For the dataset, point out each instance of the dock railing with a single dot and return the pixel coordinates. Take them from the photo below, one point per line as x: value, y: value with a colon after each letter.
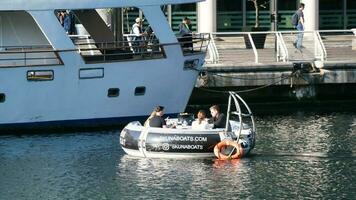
x: 256, y: 48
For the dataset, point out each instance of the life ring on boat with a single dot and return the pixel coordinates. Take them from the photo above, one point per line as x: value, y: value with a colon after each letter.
x: 225, y: 143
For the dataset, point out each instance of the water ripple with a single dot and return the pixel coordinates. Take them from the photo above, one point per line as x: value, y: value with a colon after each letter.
x: 298, y: 156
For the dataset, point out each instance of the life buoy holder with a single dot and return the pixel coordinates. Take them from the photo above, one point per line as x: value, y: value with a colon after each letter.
x: 226, y: 143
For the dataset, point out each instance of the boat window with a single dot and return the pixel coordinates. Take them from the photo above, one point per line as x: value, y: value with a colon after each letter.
x: 99, y: 37
x: 91, y: 73
x: 140, y: 91
x: 22, y: 42
x: 113, y: 92
x: 40, y: 75
x: 2, y: 97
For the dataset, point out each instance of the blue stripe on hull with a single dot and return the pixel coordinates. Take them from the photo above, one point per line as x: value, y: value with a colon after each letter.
x: 74, y: 124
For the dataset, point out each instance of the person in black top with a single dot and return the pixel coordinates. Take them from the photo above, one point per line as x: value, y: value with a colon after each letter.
x: 218, y: 118
x: 156, y: 119
x: 185, y: 33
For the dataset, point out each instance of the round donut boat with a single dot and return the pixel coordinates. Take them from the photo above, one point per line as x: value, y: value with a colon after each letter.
x: 185, y: 142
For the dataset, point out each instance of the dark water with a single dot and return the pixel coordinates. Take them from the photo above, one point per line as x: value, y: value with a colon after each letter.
x: 298, y: 156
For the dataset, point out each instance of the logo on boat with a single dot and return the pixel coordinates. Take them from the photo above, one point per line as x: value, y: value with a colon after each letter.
x: 185, y: 138
x: 187, y: 146
x: 165, y: 146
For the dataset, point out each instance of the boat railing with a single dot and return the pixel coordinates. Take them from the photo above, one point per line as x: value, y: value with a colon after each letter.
x: 120, y: 50
x: 96, y: 52
x: 198, y: 42
x: 34, y: 55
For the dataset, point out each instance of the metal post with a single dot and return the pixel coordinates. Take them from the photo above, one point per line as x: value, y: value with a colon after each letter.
x: 253, y: 47
x: 274, y: 20
x: 116, y: 24
x: 274, y: 15
x: 1, y: 35
x: 169, y: 14
x: 140, y: 13
x: 345, y: 13
x: 228, y: 114
x: 244, y: 13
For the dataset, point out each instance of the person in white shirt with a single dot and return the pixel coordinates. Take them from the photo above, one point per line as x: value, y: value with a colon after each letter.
x: 138, y: 33
x: 201, y: 122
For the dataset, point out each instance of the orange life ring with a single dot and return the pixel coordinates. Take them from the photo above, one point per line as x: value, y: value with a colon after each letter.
x: 226, y: 143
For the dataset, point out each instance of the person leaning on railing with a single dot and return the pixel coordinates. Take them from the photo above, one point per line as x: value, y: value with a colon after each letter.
x: 138, y: 37
x: 185, y: 33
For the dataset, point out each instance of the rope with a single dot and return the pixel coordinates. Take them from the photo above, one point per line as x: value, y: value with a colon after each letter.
x: 253, y: 89
x: 251, y: 79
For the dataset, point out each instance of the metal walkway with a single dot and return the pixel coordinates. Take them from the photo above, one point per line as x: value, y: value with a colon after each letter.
x: 322, y: 48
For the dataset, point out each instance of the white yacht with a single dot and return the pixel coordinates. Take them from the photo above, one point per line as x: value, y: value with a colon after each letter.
x: 51, y: 79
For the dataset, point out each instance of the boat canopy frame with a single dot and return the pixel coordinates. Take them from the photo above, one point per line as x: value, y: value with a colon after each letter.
x: 240, y: 105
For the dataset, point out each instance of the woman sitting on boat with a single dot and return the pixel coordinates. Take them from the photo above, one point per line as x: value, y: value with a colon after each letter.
x: 201, y: 122
x: 155, y: 119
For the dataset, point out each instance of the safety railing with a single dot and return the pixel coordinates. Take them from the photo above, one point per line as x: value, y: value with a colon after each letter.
x: 320, y: 51
x: 213, y: 54
x: 255, y: 48
x: 282, y: 51
x: 36, y: 55
x: 94, y: 52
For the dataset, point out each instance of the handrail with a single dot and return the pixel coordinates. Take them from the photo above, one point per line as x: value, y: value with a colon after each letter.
x: 253, y: 47
x: 282, y: 46
x: 271, y: 32
x: 320, y: 46
x: 213, y: 51
x: 354, y: 31
x: 285, y: 48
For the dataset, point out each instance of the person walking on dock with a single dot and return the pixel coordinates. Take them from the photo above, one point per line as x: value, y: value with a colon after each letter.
x: 299, y: 25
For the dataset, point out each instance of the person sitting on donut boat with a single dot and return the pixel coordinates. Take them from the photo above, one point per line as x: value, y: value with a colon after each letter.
x: 225, y: 138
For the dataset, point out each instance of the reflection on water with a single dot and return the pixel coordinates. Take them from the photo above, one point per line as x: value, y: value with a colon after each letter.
x: 304, y: 155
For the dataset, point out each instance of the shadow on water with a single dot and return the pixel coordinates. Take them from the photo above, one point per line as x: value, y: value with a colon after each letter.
x: 271, y: 101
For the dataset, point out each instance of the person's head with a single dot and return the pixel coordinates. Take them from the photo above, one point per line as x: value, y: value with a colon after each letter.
x: 186, y: 20
x: 215, y: 111
x: 159, y: 110
x: 201, y: 115
x: 138, y: 20
x: 301, y: 6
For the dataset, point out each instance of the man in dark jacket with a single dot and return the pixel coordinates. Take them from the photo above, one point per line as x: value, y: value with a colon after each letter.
x: 185, y: 33
x: 156, y: 119
x: 218, y: 118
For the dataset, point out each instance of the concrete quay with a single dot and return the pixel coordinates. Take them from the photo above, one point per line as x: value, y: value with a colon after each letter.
x: 323, y: 70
